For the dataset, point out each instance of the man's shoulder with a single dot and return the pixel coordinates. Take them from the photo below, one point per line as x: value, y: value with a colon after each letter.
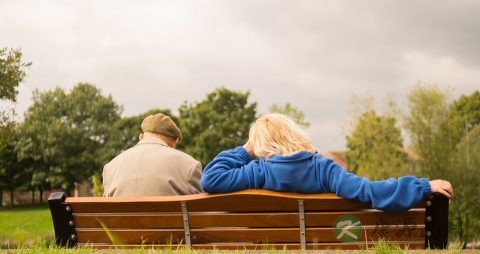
x: 164, y: 152
x: 123, y: 154
x: 154, y: 152
x: 186, y: 158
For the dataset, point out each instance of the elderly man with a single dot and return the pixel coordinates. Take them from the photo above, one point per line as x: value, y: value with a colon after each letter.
x: 153, y: 167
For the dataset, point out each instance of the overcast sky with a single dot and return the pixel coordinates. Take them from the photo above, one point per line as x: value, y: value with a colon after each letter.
x: 314, y: 54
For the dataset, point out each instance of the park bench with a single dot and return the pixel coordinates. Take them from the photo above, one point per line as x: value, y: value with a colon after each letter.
x: 249, y: 219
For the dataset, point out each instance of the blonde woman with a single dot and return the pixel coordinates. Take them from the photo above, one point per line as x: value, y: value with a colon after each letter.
x: 287, y: 161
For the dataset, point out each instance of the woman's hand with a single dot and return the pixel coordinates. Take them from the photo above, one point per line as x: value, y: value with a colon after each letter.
x: 249, y: 149
x: 443, y: 187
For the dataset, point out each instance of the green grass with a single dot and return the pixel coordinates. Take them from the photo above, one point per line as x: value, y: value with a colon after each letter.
x: 25, y: 224
x: 380, y: 247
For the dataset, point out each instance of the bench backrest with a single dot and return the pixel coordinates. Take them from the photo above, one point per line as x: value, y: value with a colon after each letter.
x: 250, y: 219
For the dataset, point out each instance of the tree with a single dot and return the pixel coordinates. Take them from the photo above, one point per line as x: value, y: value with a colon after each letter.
x: 221, y: 121
x: 465, y: 178
x: 64, y: 131
x: 375, y: 148
x: 291, y: 111
x: 459, y: 137
x: 463, y: 115
x: 12, y: 171
x: 428, y: 106
x: 12, y: 73
x: 446, y: 138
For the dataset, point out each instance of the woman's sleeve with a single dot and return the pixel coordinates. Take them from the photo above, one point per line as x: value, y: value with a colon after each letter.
x: 231, y: 171
x: 394, y: 195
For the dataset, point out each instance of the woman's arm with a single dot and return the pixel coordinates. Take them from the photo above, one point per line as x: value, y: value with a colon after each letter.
x: 390, y: 195
x: 231, y: 170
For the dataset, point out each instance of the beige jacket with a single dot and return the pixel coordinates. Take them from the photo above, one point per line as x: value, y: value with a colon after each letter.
x: 151, y: 168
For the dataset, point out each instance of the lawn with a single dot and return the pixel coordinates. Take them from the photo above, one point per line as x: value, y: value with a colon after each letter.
x: 25, y: 224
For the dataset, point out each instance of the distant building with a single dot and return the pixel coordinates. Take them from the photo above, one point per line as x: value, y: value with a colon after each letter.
x: 338, y: 157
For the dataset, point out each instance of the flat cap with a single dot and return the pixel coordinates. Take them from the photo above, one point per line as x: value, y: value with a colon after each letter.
x: 161, y: 124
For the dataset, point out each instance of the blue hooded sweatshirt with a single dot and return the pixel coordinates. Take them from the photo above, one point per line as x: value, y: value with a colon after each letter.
x: 305, y: 172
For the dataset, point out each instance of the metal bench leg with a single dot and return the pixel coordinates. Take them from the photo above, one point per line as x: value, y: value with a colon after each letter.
x: 436, y: 222
x: 186, y: 225
x: 301, y: 215
x: 62, y: 220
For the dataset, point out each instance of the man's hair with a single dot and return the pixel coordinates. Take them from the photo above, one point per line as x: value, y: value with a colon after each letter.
x: 275, y: 134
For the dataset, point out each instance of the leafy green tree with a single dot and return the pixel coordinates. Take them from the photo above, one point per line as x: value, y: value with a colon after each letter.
x: 64, y: 131
x: 458, y: 142
x: 446, y: 139
x: 463, y: 115
x: 12, y: 171
x: 375, y: 148
x: 220, y: 121
x: 294, y: 113
x: 12, y: 73
x: 465, y: 177
x: 428, y: 106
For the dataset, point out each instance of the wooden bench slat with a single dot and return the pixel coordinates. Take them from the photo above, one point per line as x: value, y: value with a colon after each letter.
x: 251, y: 246
x: 252, y: 204
x: 272, y: 204
x: 129, y: 220
x: 249, y: 192
x: 245, y: 201
x: 267, y: 235
x: 201, y: 220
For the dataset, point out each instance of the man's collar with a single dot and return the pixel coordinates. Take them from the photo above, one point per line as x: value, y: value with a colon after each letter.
x: 152, y: 141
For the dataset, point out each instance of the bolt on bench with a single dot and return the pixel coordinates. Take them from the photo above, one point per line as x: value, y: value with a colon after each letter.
x: 249, y: 219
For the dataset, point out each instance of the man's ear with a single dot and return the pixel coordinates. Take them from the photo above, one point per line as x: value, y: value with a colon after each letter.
x: 140, y: 136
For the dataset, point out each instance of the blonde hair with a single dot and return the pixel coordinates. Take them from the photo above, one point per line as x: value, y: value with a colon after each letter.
x: 274, y: 134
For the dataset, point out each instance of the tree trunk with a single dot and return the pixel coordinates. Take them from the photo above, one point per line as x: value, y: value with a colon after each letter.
x: 41, y: 196
x: 11, y: 197
x: 1, y: 197
x: 33, y: 196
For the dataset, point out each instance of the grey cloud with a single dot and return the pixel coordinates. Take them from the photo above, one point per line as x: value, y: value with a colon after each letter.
x: 314, y: 54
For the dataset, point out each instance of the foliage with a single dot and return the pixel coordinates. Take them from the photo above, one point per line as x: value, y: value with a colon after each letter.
x: 465, y: 177
x: 375, y: 148
x: 461, y: 142
x: 12, y: 171
x: 97, y: 186
x: 427, y: 111
x: 463, y: 116
x: 64, y: 131
x: 221, y: 121
x: 291, y: 111
x: 12, y: 73
x: 445, y: 138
